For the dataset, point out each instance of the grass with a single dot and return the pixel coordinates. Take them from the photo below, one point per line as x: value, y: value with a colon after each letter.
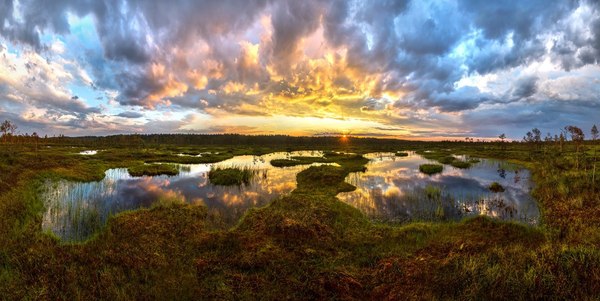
x: 307, y: 245
x: 460, y: 164
x: 431, y: 168
x: 153, y: 170
x: 401, y: 154
x: 496, y: 187
x: 230, y: 176
x: 353, y: 162
x: 298, y: 160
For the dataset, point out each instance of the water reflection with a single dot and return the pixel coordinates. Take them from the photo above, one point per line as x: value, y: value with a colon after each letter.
x: 393, y: 189
x: 76, y: 210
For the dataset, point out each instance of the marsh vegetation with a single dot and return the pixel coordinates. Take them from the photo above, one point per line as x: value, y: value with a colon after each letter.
x: 153, y: 170
x: 316, y: 246
x: 431, y: 169
x: 230, y: 175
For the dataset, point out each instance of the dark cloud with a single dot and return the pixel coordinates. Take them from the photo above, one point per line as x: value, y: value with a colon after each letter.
x: 525, y: 87
x: 130, y: 114
x: 465, y: 98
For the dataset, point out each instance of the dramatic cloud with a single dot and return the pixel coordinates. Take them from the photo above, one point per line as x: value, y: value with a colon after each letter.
x: 420, y: 69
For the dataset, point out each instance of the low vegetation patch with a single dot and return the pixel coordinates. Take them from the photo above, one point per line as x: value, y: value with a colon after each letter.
x: 153, y: 170
x: 496, y: 187
x: 401, y: 154
x: 298, y: 160
x: 431, y: 168
x: 230, y: 176
x: 460, y: 164
x: 349, y: 162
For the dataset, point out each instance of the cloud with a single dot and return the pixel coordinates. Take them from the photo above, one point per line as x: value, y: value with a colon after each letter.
x: 130, y: 114
x: 432, y: 64
x: 525, y: 87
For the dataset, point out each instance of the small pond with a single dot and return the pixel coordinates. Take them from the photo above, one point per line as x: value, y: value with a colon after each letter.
x: 75, y: 210
x: 393, y: 189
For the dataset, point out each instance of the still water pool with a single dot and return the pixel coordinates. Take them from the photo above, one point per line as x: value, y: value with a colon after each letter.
x: 392, y: 189
x: 75, y: 210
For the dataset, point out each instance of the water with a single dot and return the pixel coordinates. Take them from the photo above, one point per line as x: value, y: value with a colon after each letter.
x: 393, y: 189
x: 75, y: 210
x: 88, y: 152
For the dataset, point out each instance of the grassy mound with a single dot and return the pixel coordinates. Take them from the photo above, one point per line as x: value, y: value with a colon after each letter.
x: 230, y: 176
x: 431, y: 168
x: 496, y: 187
x: 460, y: 164
x: 153, y: 170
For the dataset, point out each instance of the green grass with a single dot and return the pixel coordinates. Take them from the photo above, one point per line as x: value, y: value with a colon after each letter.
x: 153, y: 170
x: 230, y: 176
x: 431, y: 168
x: 460, y: 164
x: 298, y: 160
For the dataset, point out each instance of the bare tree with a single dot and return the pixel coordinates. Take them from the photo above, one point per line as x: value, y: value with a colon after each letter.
x: 594, y: 133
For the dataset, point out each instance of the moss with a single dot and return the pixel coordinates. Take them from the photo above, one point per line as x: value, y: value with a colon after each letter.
x: 431, y: 168
x: 153, y: 170
x: 496, y: 187
x: 230, y: 176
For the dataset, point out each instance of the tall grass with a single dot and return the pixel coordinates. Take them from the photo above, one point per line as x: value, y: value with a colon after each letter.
x: 231, y: 175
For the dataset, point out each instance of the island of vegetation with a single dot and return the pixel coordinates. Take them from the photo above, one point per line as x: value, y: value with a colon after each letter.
x: 153, y: 170
x: 496, y: 187
x: 230, y: 176
x: 431, y: 168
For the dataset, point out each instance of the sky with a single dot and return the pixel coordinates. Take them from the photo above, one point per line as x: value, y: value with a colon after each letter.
x: 404, y: 69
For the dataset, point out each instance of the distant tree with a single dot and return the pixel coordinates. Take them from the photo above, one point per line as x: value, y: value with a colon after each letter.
x: 8, y: 129
x: 502, y: 137
x: 528, y: 137
x: 537, y: 135
x: 577, y: 136
x: 594, y: 133
x: 533, y: 136
x: 35, y: 138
